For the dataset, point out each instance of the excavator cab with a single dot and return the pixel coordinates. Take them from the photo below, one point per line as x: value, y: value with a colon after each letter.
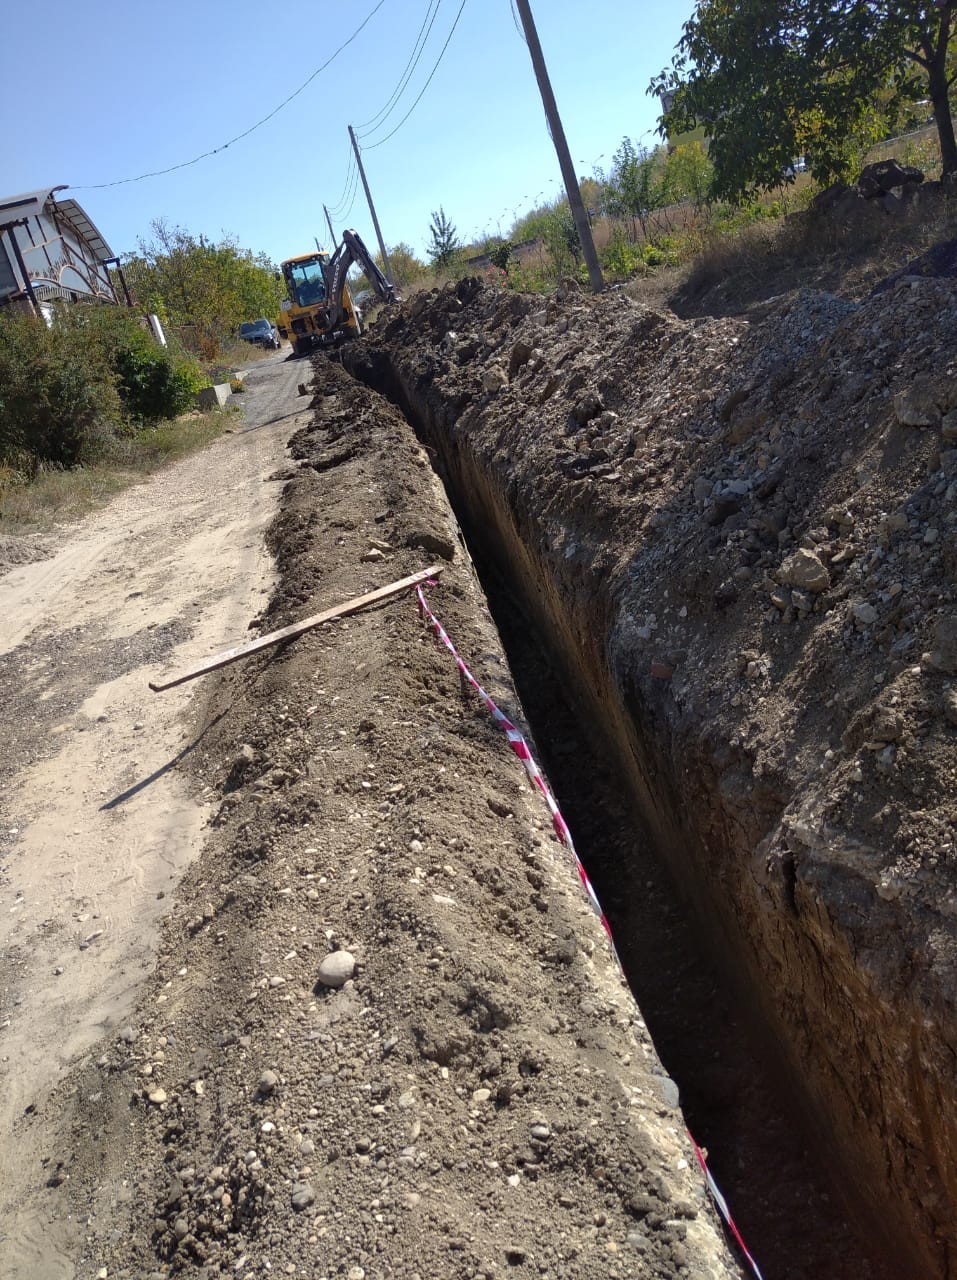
x: 306, y: 281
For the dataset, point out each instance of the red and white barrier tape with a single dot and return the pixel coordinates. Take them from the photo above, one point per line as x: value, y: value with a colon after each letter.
x: 518, y: 744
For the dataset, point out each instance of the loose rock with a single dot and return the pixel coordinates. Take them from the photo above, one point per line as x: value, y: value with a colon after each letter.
x: 337, y: 968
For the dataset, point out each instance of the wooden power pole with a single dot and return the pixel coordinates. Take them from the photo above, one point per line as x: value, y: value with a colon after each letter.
x: 561, y: 146
x: 375, y: 220
x: 329, y: 225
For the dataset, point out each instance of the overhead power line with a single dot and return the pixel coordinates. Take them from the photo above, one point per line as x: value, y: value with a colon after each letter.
x: 352, y: 198
x: 185, y: 164
x: 518, y: 25
x: 410, y: 66
x: 373, y: 145
x: 346, y: 185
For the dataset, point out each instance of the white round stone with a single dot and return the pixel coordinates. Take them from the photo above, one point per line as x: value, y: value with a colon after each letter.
x: 337, y: 968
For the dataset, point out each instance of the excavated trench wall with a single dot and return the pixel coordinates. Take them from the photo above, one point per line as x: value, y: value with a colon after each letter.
x: 790, y: 919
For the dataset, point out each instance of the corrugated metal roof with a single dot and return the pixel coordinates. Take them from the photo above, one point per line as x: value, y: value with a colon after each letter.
x: 32, y: 203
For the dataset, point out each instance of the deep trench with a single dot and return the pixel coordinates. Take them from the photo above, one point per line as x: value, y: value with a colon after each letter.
x: 793, y: 1202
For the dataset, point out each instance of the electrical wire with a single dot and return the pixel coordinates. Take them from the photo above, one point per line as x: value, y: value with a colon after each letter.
x: 518, y: 25
x: 355, y: 192
x: 185, y: 164
x: 373, y: 145
x: 346, y: 185
x: 410, y: 66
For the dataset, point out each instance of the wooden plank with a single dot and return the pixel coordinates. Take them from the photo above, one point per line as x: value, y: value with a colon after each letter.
x: 298, y: 628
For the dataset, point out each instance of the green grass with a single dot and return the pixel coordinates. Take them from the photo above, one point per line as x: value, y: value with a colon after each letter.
x: 56, y: 495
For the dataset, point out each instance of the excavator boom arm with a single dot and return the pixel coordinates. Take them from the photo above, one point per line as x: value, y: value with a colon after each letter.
x: 353, y: 251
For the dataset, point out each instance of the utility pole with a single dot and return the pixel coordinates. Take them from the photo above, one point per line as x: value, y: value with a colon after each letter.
x: 329, y: 224
x: 561, y: 146
x: 375, y: 220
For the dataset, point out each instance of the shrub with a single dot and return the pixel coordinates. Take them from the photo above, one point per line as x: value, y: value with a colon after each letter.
x: 69, y: 389
x: 621, y: 258
x: 154, y: 382
x: 59, y: 401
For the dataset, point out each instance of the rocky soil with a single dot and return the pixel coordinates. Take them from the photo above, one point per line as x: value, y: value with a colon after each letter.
x: 740, y: 537
x: 386, y: 1035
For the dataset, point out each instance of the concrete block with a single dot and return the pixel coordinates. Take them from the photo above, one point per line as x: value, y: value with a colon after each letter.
x: 213, y: 397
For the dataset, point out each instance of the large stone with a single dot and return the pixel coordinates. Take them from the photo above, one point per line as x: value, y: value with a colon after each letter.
x: 337, y: 968
x: 805, y: 570
x: 267, y: 1083
x: 301, y: 1196
x: 213, y: 397
x: 943, y: 656
x: 495, y: 379
x: 885, y: 175
x: 919, y: 404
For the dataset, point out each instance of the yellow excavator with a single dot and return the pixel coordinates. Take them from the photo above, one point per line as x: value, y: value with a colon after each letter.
x: 319, y: 310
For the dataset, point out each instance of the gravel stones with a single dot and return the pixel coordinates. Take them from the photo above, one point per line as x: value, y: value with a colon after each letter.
x: 337, y: 968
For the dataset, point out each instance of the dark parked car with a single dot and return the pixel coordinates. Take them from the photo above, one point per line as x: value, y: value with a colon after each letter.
x: 262, y: 333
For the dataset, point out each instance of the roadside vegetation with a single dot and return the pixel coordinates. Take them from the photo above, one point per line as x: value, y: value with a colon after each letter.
x: 55, y: 494
x: 822, y: 90
x: 202, y: 290
x: 86, y: 402
x: 90, y: 401
x: 655, y: 218
x: 699, y: 222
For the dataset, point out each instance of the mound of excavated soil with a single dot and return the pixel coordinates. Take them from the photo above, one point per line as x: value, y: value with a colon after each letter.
x: 742, y: 541
x: 481, y: 1097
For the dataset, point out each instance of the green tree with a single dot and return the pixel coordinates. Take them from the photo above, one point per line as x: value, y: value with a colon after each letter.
x: 499, y: 253
x: 561, y: 238
x: 773, y: 79
x: 406, y: 267
x: 633, y: 189
x: 445, y: 242
x: 205, y: 288
x: 687, y: 174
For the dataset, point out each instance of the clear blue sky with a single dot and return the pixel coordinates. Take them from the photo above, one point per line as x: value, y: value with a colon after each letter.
x: 98, y: 91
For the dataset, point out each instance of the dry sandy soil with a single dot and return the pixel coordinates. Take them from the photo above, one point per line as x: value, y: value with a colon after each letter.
x: 97, y: 820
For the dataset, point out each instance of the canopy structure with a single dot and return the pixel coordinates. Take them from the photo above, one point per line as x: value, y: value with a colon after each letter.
x: 51, y: 249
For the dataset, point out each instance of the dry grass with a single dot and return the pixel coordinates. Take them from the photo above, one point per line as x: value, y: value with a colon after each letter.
x: 733, y: 268
x: 54, y: 496
x: 733, y: 273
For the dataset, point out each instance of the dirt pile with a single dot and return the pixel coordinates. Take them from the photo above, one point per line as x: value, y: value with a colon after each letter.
x: 480, y: 1096
x: 742, y: 541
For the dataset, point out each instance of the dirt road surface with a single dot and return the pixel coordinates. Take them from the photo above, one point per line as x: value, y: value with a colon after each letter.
x: 96, y: 824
